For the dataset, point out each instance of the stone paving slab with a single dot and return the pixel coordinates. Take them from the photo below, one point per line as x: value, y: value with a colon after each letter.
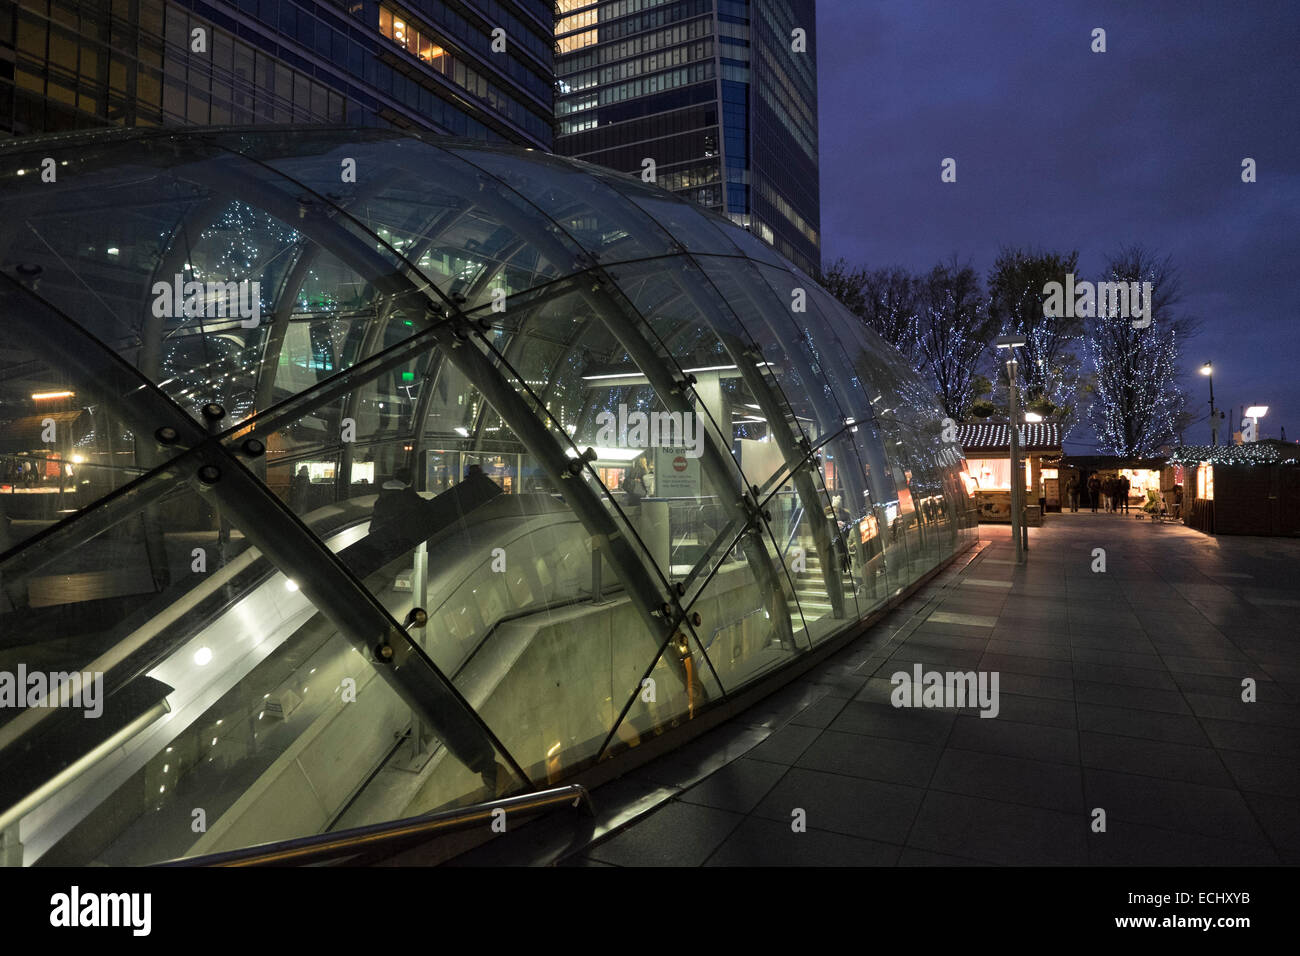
x: 1119, y: 691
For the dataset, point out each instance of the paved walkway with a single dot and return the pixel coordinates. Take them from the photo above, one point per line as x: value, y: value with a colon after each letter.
x: 1119, y: 690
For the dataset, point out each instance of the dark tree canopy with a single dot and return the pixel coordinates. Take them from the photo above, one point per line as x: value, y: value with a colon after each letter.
x: 1050, y: 369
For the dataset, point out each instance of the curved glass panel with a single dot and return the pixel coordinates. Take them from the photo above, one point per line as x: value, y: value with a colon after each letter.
x: 583, y: 207
x: 377, y: 473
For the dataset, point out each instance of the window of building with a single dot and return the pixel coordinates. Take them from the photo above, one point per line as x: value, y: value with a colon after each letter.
x: 994, y: 474
x: 1205, y: 482
x: 576, y: 41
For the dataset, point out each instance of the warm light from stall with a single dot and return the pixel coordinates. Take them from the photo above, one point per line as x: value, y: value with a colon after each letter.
x: 1205, y: 482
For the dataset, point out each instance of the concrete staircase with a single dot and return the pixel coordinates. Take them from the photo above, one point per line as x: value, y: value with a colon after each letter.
x: 810, y: 587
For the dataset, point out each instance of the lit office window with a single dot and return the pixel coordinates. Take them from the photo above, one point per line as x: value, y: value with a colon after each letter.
x: 577, y: 41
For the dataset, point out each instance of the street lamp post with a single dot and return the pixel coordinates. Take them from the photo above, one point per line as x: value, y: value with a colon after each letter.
x: 1019, y: 532
x: 1208, y: 370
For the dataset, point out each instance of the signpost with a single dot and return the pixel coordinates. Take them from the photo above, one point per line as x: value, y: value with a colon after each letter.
x: 676, y: 475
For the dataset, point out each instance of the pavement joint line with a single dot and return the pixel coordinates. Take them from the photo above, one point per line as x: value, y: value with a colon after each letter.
x: 1157, y: 587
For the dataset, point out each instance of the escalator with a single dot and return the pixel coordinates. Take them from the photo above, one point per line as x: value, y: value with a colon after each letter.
x: 236, y: 713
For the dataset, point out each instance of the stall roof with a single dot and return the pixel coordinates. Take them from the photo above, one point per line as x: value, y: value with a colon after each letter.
x: 1270, y: 451
x: 995, y: 437
x: 24, y: 434
x: 1093, y: 462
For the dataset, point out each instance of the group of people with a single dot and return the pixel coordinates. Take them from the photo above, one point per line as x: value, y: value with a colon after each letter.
x: 30, y: 469
x: 1111, y: 492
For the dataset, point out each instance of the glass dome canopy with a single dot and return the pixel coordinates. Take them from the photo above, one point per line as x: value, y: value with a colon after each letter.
x: 649, y: 462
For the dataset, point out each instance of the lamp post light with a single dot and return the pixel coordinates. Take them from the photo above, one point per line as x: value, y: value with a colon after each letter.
x: 1208, y: 370
x: 1019, y: 533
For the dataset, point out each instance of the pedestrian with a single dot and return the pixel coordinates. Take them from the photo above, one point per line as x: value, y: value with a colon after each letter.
x: 1124, y: 487
x: 634, y: 484
x: 1094, y: 490
x: 300, y: 491
x: 1072, y: 489
x: 1108, y: 493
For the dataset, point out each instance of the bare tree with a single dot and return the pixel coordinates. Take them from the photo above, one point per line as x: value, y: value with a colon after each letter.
x: 887, y: 300
x: 1051, y: 371
x: 892, y: 307
x: 953, y: 335
x: 846, y: 285
x: 1138, y: 401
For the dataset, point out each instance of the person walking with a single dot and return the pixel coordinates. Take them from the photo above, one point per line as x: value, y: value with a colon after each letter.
x: 1072, y: 489
x: 1124, y: 487
x: 1108, y: 494
x: 1094, y: 490
x: 300, y: 491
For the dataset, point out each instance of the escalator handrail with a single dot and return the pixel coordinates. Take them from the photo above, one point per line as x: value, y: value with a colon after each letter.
x: 388, y: 835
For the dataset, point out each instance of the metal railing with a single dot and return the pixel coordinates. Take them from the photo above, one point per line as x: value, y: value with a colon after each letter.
x: 390, y: 836
x: 795, y: 520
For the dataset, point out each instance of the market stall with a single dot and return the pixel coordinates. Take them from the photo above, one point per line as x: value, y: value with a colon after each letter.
x: 988, y: 467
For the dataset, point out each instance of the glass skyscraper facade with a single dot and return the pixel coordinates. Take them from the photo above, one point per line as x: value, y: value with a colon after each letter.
x: 475, y: 68
x: 353, y: 500
x: 720, y: 94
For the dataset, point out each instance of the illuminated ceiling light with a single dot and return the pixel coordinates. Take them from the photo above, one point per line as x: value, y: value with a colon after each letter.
x: 462, y: 432
x: 44, y: 396
x: 112, y: 250
x: 290, y: 584
x: 203, y: 656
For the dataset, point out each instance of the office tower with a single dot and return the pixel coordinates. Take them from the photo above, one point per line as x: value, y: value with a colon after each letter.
x: 721, y: 95
x: 475, y: 68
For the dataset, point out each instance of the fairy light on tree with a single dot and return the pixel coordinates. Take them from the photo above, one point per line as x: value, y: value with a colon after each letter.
x: 1137, y: 396
x: 1051, y: 369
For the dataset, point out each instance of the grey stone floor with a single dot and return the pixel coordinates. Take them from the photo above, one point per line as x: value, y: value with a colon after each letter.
x: 1119, y: 690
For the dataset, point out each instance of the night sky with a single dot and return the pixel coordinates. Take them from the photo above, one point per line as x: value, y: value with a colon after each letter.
x: 1063, y: 148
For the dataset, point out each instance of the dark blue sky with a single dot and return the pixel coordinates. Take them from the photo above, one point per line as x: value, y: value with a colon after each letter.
x: 1063, y: 148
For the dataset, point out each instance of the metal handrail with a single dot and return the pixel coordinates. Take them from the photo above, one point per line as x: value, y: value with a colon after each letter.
x: 324, y: 846
x: 794, y: 529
